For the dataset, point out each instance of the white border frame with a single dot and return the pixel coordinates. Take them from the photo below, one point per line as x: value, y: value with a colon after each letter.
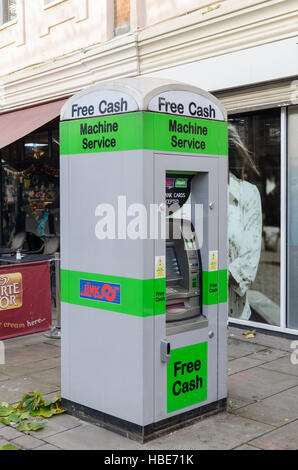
x: 283, y: 217
x: 283, y: 240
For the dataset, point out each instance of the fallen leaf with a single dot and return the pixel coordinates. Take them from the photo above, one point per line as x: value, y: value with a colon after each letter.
x: 33, y: 426
x: 249, y: 334
x: 10, y: 447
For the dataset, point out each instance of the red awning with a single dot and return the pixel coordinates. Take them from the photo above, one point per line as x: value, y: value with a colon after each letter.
x: 15, y: 125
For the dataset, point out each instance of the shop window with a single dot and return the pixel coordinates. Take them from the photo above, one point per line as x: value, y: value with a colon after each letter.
x: 292, y: 241
x: 254, y: 217
x: 121, y: 16
x: 30, y: 185
x: 8, y: 10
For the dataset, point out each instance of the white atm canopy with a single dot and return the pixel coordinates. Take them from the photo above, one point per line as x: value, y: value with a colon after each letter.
x: 128, y: 95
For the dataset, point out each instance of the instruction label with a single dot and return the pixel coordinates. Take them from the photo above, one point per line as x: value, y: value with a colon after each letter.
x: 213, y: 260
x: 160, y: 267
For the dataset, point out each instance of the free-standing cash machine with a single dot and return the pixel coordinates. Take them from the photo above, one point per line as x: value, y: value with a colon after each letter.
x: 144, y: 174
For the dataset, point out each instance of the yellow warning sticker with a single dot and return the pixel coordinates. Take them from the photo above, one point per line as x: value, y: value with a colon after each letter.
x: 213, y: 260
x: 160, y: 267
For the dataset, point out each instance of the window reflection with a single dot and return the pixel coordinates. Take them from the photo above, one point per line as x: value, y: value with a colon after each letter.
x: 292, y: 239
x: 254, y: 218
x: 37, y: 146
x: 30, y: 185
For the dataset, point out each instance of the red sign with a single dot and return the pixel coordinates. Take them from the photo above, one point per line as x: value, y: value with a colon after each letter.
x: 25, y: 299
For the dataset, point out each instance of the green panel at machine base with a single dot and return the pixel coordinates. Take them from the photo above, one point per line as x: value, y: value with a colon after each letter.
x: 144, y: 130
x: 139, y: 297
x: 187, y: 377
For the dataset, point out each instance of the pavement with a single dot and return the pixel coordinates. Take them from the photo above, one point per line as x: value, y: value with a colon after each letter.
x: 262, y: 403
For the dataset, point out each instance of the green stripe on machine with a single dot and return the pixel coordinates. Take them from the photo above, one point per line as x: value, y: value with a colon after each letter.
x: 144, y: 130
x: 139, y: 297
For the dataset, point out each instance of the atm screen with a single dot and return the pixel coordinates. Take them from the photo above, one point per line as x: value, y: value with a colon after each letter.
x: 172, y: 266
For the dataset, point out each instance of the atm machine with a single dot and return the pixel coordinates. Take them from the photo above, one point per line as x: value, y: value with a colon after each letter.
x: 183, y: 276
x: 144, y: 177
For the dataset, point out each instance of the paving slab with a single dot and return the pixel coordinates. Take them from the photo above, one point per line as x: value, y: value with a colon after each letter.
x: 238, y: 348
x: 276, y: 410
x: 50, y: 376
x: 283, y: 365
x: 259, y: 383
x: 221, y: 432
x: 269, y: 355
x: 13, y: 390
x: 67, y: 421
x: 44, y: 349
x: 3, y: 378
x: 241, y: 364
x: 53, y: 342
x: 22, y: 341
x: 217, y: 432
x: 27, y: 355
x: 3, y: 442
x: 234, y: 403
x: 47, y: 447
x: 22, y: 357
x: 30, y: 368
x: 284, y: 438
x: 55, y: 426
x: 263, y: 386
x: 91, y: 437
x: 27, y: 442
x: 247, y: 447
x: 262, y: 339
x: 9, y: 433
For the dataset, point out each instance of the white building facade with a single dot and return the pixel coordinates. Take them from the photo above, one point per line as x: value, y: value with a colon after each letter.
x: 243, y: 51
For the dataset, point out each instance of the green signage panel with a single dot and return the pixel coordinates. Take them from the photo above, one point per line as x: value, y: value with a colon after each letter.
x: 144, y: 130
x: 187, y: 377
x: 188, y: 135
x: 139, y: 297
x: 215, y: 287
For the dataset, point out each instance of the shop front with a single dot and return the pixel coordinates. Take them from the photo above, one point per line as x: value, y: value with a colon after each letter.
x: 255, y: 217
x: 30, y: 173
x: 29, y: 218
x: 261, y: 101
x: 263, y: 198
x: 263, y: 195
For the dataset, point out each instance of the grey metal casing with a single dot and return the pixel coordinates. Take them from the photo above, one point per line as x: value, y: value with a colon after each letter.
x: 111, y: 361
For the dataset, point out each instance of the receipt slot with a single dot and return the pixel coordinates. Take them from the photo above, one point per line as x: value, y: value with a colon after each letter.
x: 144, y: 173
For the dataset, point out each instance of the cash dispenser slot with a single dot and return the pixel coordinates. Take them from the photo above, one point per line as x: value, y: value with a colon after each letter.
x: 183, y: 278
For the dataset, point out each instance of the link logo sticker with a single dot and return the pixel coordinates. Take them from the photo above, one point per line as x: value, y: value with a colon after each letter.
x: 100, y: 291
x: 170, y: 183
